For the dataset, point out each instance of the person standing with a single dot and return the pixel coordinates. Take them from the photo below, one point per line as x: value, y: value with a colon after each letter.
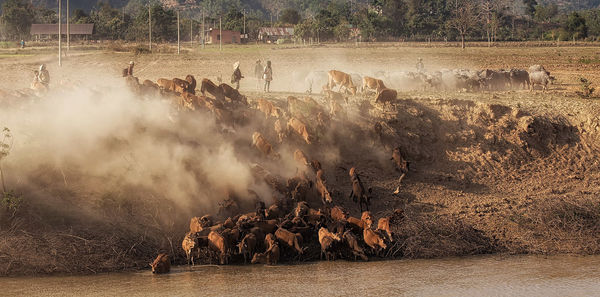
x: 268, y: 76
x: 22, y: 43
x: 130, y: 68
x: 44, y: 75
x: 258, y: 73
x: 237, y: 75
x: 420, y: 66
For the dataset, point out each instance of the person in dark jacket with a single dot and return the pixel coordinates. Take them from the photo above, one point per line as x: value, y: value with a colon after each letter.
x: 237, y: 75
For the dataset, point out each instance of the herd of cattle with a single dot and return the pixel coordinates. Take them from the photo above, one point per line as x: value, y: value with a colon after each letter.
x: 443, y: 80
x: 305, y: 219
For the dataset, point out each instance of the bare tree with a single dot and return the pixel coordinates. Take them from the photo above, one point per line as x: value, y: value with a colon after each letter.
x: 465, y: 16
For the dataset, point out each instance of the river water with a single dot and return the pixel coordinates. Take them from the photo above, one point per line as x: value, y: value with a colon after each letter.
x: 472, y: 276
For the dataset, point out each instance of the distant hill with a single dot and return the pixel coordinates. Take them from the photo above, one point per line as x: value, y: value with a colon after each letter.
x: 264, y: 5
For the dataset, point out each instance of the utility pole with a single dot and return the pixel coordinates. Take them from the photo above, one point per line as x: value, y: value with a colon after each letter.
x: 220, y: 35
x: 203, y: 32
x: 244, y: 14
x: 178, y: 44
x: 191, y: 33
x: 68, y: 29
x: 149, y: 27
x: 59, y: 33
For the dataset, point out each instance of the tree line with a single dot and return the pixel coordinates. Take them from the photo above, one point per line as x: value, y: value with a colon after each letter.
x: 333, y: 20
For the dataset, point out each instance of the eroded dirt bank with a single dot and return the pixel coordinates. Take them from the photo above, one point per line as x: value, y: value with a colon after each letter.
x: 485, y: 178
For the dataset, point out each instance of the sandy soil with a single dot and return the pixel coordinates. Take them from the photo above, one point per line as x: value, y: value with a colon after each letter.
x: 503, y: 172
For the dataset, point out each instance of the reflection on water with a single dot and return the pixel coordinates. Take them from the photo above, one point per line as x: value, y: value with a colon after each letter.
x: 474, y: 276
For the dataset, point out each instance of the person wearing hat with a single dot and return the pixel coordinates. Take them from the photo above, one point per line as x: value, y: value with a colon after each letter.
x: 420, y: 66
x: 43, y: 76
x: 237, y: 75
x: 130, y: 68
x: 258, y: 73
x: 268, y: 76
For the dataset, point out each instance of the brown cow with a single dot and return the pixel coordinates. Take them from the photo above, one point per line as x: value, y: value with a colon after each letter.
x: 322, y: 188
x: 273, y: 212
x: 280, y: 130
x: 181, y: 85
x: 383, y: 225
x: 267, y: 226
x: 247, y: 246
x: 264, y: 146
x: 268, y: 108
x: 270, y: 240
x: 273, y: 254
x: 162, y: 264
x: 327, y: 247
x: 270, y: 257
x: 316, y: 165
x: 213, y: 89
x: 301, y: 209
x: 301, y: 158
x: 299, y: 127
x: 233, y: 94
x: 370, y: 83
x: 338, y: 213
x: 324, y: 232
x: 166, y: 84
x: 357, y: 224
x: 199, y: 223
x: 342, y: 79
x: 401, y: 165
x: 358, y: 193
x: 289, y: 239
x: 386, y: 96
x: 218, y: 243
x: 373, y: 239
x: 352, y: 242
x: 367, y: 218
x: 189, y: 245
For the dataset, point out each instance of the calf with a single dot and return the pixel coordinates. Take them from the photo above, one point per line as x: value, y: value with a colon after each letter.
x: 162, y: 264
x: 289, y: 239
